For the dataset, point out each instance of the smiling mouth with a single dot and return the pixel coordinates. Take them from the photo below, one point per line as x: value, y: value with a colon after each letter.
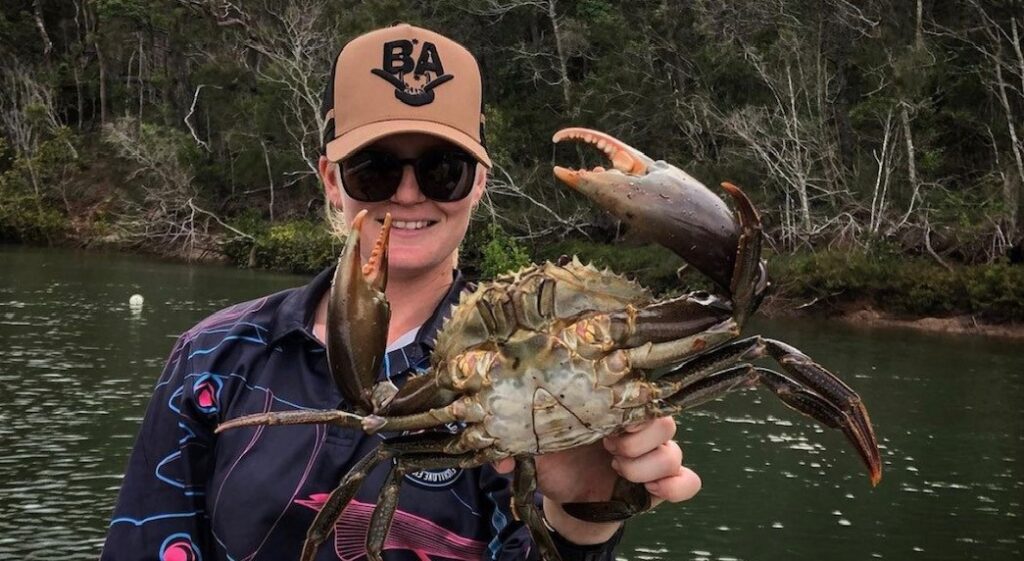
x: 409, y: 224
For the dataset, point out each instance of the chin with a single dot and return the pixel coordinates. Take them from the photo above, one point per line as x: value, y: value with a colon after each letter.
x: 412, y: 262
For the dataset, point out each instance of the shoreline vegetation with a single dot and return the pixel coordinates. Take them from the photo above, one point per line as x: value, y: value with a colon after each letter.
x: 881, y: 141
x: 865, y: 289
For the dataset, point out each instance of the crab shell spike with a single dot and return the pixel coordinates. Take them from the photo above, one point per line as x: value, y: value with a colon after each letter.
x: 358, y: 315
x: 664, y: 204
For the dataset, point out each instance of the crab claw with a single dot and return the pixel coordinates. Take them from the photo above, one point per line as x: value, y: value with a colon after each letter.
x: 358, y: 315
x: 664, y: 204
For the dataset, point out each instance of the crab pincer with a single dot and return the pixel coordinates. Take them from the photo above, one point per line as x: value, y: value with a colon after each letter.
x: 358, y: 314
x: 659, y: 201
x: 357, y: 330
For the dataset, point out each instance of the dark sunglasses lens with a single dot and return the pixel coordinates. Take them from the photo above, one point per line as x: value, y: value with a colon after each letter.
x: 445, y: 176
x: 370, y: 176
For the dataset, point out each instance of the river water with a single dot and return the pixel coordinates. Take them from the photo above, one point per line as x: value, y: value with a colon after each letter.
x: 77, y: 367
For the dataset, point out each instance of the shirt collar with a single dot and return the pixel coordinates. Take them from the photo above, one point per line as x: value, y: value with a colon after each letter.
x: 299, y: 308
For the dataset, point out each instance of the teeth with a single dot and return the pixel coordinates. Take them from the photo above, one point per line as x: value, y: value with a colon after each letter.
x: 409, y: 224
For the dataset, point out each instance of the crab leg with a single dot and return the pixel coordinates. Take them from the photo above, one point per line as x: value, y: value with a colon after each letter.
x: 628, y: 499
x: 421, y: 444
x: 750, y: 275
x: 304, y: 417
x: 384, y: 512
x: 853, y: 415
x: 809, y: 389
x: 339, y: 498
x: 524, y: 488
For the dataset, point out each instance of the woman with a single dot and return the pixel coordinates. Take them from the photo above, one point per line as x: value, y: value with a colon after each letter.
x: 404, y: 137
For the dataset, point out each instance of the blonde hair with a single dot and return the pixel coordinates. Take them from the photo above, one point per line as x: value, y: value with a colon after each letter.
x: 335, y: 217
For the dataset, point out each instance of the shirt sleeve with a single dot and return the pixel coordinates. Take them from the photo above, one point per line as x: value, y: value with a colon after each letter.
x: 160, y: 512
x: 512, y: 540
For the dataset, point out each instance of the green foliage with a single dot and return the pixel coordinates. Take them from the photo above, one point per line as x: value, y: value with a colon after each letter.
x: 996, y: 291
x: 23, y: 220
x: 138, y: 10
x: 911, y: 286
x: 30, y: 187
x: 295, y: 246
x: 651, y: 265
x: 501, y: 253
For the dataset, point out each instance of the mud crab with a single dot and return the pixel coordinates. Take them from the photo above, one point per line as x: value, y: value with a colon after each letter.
x: 559, y: 355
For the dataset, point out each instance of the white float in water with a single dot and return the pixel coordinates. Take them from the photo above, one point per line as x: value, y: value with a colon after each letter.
x: 135, y: 303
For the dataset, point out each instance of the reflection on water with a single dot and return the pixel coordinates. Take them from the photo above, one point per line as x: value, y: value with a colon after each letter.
x: 76, y: 370
x: 77, y: 367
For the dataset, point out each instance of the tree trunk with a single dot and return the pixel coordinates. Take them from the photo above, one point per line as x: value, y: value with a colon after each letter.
x: 1010, y: 194
x: 919, y: 28
x: 92, y: 30
x: 563, y: 66
x: 911, y: 159
x: 37, y: 15
x: 270, y: 178
x: 142, y: 58
x: 103, y: 83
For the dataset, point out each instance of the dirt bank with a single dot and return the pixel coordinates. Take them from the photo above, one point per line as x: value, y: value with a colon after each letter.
x: 956, y: 324
x: 864, y: 314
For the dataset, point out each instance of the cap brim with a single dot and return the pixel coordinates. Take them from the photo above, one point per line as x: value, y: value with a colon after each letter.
x: 343, y: 146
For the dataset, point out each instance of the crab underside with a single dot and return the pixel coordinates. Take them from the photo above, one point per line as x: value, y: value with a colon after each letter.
x: 559, y: 355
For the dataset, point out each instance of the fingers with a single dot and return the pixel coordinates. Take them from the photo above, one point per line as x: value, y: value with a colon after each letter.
x: 664, y: 461
x: 680, y: 487
x: 640, y: 439
x: 646, y: 453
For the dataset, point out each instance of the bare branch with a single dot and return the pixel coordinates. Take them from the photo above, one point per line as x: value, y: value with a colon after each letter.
x: 191, y: 111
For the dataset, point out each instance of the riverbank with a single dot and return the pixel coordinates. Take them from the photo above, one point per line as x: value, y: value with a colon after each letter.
x: 866, y: 288
x: 871, y: 289
x: 864, y: 315
x: 960, y: 325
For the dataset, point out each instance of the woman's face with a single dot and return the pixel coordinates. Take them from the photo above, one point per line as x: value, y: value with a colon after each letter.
x: 425, y: 234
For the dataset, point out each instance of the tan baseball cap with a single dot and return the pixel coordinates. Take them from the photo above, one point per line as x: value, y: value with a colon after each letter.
x: 404, y: 79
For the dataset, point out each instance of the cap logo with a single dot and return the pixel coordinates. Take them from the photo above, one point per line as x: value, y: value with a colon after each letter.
x: 427, y: 71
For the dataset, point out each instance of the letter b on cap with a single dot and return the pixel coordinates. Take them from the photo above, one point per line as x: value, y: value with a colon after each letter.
x: 398, y: 57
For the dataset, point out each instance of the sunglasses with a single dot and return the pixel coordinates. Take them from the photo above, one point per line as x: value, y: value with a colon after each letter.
x: 372, y: 176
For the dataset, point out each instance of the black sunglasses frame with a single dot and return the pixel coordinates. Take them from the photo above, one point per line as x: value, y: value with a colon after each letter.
x: 390, y: 170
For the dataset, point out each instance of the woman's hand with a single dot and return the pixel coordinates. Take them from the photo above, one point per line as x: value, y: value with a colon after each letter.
x: 644, y: 453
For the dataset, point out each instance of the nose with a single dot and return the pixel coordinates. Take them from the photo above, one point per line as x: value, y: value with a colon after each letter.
x: 408, y: 191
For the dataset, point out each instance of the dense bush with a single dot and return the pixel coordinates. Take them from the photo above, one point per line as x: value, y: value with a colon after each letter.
x: 296, y: 246
x: 501, y: 253
x: 653, y: 266
x: 28, y: 191
x: 23, y: 220
x: 904, y: 285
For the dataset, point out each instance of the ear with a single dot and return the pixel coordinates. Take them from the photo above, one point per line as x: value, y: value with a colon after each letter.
x: 329, y: 177
x: 479, y: 184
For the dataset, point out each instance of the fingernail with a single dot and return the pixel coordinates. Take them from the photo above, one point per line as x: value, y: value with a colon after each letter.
x: 610, y: 445
x: 652, y: 487
x: 615, y: 464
